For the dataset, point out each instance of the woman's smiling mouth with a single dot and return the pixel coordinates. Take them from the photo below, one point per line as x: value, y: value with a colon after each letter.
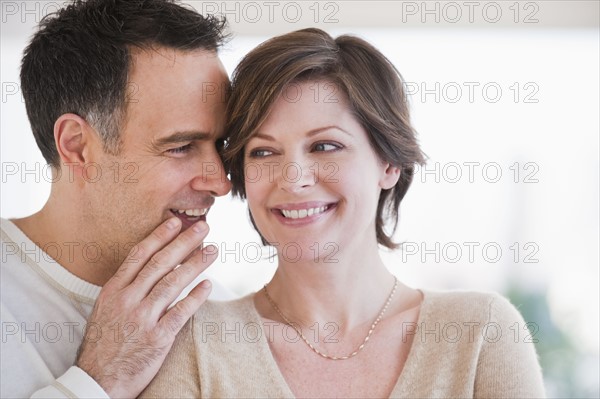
x: 302, y: 212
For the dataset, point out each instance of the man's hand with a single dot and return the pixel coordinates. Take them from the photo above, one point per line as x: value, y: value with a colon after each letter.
x: 130, y: 330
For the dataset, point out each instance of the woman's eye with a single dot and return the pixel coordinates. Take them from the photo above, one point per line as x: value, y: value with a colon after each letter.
x: 326, y: 147
x: 258, y: 153
x: 180, y: 150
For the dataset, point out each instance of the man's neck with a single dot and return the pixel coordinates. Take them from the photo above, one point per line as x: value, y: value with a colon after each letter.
x: 58, y: 235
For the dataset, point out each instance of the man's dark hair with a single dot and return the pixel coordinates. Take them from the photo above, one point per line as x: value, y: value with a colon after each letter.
x: 78, y: 61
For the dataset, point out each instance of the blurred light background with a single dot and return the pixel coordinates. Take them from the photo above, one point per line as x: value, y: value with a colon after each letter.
x: 505, y: 97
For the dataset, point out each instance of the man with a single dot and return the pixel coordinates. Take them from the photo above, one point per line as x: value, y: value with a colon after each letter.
x: 125, y: 100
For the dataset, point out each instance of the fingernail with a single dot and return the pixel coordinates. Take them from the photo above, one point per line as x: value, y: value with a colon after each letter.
x: 206, y: 284
x: 211, y: 249
x: 172, y: 223
x: 199, y: 227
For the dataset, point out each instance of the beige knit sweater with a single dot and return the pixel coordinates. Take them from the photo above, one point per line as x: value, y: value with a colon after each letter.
x: 466, y: 344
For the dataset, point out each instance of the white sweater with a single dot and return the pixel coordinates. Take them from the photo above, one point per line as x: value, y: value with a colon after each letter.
x: 43, y: 311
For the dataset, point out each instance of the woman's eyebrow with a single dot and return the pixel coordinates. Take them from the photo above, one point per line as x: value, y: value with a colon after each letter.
x: 310, y: 133
x: 321, y: 129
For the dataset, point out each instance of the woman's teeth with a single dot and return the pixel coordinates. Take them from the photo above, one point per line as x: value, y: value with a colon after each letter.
x: 191, y: 212
x: 302, y: 213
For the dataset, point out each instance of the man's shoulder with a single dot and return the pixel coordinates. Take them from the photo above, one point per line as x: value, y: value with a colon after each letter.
x: 15, y: 244
x: 7, y: 232
x: 13, y: 261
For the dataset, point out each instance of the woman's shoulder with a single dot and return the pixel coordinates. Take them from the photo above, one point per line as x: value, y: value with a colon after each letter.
x: 476, y: 305
x: 222, y: 311
x: 460, y: 296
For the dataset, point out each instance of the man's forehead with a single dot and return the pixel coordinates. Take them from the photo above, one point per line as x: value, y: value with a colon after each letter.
x: 165, y: 58
x: 173, y: 93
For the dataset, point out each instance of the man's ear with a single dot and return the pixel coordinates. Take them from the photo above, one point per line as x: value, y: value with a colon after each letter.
x: 390, y: 176
x: 77, y: 144
x: 71, y: 138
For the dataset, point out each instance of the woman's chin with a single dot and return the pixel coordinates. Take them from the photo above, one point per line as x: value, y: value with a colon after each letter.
x: 305, y: 250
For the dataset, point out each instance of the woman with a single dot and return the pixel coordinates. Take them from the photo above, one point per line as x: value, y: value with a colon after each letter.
x: 321, y: 146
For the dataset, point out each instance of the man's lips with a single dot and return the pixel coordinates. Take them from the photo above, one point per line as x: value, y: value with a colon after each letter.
x: 190, y: 216
x: 193, y: 212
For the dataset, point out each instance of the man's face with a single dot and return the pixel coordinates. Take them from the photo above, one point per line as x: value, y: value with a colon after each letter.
x: 168, y: 164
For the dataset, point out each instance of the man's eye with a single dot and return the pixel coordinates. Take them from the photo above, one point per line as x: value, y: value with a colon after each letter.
x: 259, y: 153
x: 180, y: 150
x: 326, y: 147
x: 221, y: 144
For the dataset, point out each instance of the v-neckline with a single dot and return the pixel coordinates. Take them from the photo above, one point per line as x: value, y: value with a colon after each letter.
x: 276, y: 373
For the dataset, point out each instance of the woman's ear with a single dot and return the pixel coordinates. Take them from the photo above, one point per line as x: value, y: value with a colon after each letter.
x: 390, y: 176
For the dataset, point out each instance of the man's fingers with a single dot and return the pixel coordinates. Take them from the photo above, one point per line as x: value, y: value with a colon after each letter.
x: 193, y: 253
x: 165, y: 260
x: 178, y: 315
x: 172, y: 284
x: 141, y: 253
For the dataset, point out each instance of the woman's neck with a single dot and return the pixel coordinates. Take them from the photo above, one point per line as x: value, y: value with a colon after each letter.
x: 348, y: 292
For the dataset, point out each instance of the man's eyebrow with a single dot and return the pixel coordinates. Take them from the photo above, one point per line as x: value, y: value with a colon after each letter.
x: 181, y: 137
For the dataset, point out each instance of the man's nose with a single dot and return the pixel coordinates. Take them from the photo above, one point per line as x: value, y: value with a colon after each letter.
x: 212, y: 177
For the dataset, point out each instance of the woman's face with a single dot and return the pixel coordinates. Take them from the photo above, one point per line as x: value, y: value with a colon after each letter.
x: 312, y: 178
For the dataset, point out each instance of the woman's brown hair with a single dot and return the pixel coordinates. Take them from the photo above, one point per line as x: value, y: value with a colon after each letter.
x: 372, y: 85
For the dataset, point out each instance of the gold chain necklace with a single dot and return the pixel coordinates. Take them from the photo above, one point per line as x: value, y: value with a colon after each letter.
x: 318, y: 352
